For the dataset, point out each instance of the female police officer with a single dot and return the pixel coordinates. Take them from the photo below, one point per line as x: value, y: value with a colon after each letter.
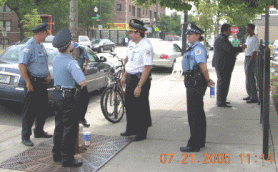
x: 196, y: 80
x: 66, y: 73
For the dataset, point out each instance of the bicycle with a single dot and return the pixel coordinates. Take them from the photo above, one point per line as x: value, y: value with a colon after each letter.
x: 112, y: 98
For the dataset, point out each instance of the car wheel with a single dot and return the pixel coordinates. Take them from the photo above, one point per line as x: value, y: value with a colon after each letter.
x: 101, y: 50
x: 112, y: 49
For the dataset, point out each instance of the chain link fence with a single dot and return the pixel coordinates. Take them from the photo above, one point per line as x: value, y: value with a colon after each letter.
x: 116, y: 36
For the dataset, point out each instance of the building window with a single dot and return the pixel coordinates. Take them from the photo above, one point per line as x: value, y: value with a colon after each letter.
x: 129, y: 8
x: 138, y: 12
x: 133, y: 10
x: 7, y: 25
x: 119, y: 7
x: 5, y: 8
x: 146, y: 12
x: 150, y: 14
x: 155, y: 15
x: 143, y: 12
x: 6, y: 41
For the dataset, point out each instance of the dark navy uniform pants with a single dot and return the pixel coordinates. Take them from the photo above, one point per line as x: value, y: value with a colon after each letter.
x: 82, y: 104
x: 137, y: 109
x: 196, y: 115
x: 66, y: 125
x: 35, y: 109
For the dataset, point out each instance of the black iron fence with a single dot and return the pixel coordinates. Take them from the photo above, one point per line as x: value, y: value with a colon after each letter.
x: 116, y: 36
x: 263, y: 81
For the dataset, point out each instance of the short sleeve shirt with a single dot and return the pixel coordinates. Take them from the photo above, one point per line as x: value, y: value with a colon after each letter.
x: 66, y: 71
x: 139, y: 55
x: 83, y: 56
x: 35, y: 58
x: 197, y: 54
x: 252, y: 45
x: 235, y: 42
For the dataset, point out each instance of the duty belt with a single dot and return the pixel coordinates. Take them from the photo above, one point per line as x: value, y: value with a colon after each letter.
x: 59, y: 88
x: 37, y: 79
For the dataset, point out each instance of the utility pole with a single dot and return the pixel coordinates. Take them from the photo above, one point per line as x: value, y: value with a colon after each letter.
x: 184, y: 36
x: 73, y: 27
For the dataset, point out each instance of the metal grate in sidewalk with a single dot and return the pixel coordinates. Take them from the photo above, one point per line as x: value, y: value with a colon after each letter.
x: 39, y: 158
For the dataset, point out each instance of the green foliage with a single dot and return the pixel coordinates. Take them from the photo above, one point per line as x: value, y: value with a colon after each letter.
x: 2, y: 2
x: 30, y: 21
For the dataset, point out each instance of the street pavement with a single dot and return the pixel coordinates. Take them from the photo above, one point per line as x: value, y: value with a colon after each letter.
x: 234, y: 135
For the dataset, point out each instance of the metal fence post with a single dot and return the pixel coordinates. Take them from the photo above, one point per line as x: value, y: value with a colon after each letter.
x: 266, y: 102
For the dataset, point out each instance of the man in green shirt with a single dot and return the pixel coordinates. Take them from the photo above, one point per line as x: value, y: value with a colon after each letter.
x: 235, y: 42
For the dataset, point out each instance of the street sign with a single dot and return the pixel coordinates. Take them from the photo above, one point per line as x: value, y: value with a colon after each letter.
x: 97, y: 17
x: 156, y: 29
x: 234, y: 30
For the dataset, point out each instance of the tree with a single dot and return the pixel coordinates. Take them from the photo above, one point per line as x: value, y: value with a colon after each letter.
x: 2, y: 2
x: 30, y: 21
x: 23, y: 7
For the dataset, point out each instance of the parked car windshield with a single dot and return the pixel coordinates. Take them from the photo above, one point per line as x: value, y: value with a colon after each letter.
x: 163, y: 47
x: 12, y: 54
x: 83, y: 39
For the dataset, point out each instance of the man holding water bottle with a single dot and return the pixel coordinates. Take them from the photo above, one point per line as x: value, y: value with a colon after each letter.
x: 196, y: 80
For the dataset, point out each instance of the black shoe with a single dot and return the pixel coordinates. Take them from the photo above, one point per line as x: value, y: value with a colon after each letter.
x: 84, y: 123
x: 228, y: 102
x: 74, y: 163
x: 140, y: 138
x: 189, y: 149
x: 246, y: 98
x: 252, y: 101
x: 127, y: 134
x: 224, y: 105
x: 27, y: 142
x: 42, y: 135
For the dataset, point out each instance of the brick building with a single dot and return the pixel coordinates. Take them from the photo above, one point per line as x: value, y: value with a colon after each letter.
x: 10, y: 24
x: 123, y: 11
x: 273, y: 24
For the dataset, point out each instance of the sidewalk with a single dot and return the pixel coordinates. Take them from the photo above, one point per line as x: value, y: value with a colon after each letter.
x: 230, y: 132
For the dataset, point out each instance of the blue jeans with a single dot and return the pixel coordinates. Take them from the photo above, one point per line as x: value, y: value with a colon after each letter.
x: 250, y: 68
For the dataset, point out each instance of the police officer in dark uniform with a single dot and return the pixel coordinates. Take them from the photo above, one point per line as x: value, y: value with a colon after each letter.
x: 33, y: 67
x: 68, y: 77
x: 138, y: 82
x: 196, y: 80
x: 82, y: 105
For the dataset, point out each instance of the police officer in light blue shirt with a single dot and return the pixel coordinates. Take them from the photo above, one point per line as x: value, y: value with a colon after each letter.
x: 196, y: 80
x: 82, y: 105
x: 33, y: 67
x: 68, y: 77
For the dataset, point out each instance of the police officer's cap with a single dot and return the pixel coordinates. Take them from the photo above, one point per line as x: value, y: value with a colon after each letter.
x: 136, y: 25
x: 62, y: 39
x: 192, y: 28
x: 39, y: 28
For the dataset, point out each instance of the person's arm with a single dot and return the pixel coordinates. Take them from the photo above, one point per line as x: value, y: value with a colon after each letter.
x: 48, y: 78
x: 23, y: 71
x: 83, y: 83
x: 124, y: 72
x: 85, y: 69
x: 144, y: 77
x: 204, y: 69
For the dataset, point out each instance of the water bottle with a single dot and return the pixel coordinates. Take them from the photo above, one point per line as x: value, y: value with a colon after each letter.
x: 212, y: 91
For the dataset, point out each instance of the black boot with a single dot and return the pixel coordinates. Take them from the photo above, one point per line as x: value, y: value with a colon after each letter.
x: 84, y: 123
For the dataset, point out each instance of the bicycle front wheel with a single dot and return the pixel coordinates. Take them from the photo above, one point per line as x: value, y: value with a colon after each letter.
x: 112, y: 105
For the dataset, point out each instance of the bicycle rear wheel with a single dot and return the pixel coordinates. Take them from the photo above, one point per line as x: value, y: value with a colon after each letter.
x: 112, y: 105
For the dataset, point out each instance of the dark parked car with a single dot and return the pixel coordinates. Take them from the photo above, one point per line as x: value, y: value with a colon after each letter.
x: 12, y: 84
x: 101, y: 45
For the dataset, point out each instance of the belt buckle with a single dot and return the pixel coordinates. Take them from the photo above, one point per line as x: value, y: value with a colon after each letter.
x: 58, y: 87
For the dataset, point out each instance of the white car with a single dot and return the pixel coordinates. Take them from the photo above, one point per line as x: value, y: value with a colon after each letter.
x: 84, y: 41
x: 275, y: 45
x: 165, y: 53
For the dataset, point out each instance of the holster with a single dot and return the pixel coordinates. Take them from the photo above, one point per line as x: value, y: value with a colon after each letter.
x: 194, y: 77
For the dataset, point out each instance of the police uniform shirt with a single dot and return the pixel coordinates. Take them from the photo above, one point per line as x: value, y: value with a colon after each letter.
x: 197, y: 54
x: 139, y: 55
x: 252, y: 45
x: 66, y: 71
x: 83, y: 57
x: 35, y: 58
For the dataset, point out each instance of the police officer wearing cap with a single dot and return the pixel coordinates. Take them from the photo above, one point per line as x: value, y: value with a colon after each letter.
x: 68, y: 76
x: 33, y: 67
x: 196, y: 80
x: 82, y: 105
x: 138, y: 82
